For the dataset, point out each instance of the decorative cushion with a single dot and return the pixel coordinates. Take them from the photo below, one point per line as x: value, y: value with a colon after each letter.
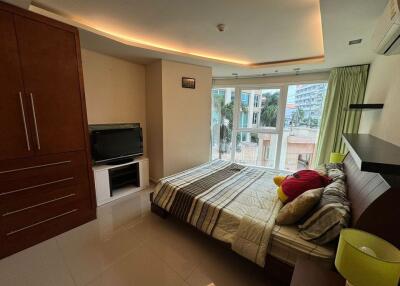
x: 296, y: 209
x: 330, y: 216
x: 335, y: 171
x: 296, y: 184
x: 339, y: 166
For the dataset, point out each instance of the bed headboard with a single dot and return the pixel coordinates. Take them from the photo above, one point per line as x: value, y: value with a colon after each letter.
x: 375, y: 201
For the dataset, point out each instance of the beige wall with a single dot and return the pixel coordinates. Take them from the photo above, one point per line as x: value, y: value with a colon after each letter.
x: 178, y: 118
x: 154, y: 120
x: 186, y: 116
x: 114, y: 89
x: 383, y: 87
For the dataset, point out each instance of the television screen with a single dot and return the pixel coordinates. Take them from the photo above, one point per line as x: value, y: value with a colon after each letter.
x: 112, y: 144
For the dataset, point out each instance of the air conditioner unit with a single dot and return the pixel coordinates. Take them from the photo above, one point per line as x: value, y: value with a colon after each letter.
x: 386, y: 38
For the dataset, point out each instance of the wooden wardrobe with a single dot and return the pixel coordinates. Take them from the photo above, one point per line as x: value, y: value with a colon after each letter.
x: 46, y: 182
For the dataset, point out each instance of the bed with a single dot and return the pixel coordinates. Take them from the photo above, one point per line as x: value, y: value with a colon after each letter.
x: 238, y: 205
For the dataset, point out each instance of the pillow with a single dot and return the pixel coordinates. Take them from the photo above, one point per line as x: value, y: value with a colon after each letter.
x: 335, y: 171
x: 296, y: 209
x: 294, y: 185
x: 330, y: 216
x: 339, y: 166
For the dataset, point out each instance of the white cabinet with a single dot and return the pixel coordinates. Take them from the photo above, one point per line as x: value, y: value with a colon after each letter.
x: 107, y: 189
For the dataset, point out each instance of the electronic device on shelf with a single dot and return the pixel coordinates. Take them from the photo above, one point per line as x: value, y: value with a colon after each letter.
x: 116, y: 143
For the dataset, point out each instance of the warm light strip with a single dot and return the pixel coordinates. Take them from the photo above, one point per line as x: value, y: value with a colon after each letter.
x: 135, y: 41
x: 128, y: 40
x: 308, y: 60
x: 154, y: 46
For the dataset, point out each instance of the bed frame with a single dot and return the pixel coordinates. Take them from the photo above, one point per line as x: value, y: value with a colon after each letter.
x: 375, y: 208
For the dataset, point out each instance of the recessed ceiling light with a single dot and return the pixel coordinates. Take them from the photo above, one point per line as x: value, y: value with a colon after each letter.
x: 221, y: 27
x: 355, y: 42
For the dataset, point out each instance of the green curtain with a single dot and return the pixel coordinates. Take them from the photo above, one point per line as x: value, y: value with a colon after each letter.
x: 346, y: 85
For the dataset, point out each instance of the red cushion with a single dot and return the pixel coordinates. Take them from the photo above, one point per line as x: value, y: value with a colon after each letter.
x: 301, y: 181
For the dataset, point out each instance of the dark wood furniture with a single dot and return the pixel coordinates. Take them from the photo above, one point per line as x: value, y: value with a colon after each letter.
x: 46, y: 183
x: 309, y: 273
x: 364, y: 106
x: 372, y: 154
x: 375, y: 196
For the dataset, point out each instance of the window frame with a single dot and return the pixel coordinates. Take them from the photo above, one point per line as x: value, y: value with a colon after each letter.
x: 280, y: 122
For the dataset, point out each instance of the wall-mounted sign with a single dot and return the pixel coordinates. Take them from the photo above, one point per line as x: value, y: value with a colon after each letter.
x: 188, y: 82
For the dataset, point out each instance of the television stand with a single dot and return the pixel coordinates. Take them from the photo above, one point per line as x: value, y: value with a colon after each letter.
x: 120, y: 161
x: 116, y: 181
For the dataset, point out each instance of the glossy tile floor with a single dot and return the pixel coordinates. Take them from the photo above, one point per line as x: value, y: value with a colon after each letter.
x: 129, y: 245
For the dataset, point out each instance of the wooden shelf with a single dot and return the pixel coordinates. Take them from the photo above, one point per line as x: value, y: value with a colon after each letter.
x: 365, y: 106
x: 372, y: 154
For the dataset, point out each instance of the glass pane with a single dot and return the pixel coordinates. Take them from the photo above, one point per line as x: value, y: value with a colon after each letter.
x: 256, y: 149
x: 259, y: 108
x: 221, y: 122
x: 302, y: 120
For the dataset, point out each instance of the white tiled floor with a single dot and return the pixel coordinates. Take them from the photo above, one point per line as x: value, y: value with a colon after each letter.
x: 129, y: 245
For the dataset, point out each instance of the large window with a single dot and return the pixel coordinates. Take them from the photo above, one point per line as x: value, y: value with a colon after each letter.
x: 303, y: 113
x: 275, y: 127
x: 222, y: 122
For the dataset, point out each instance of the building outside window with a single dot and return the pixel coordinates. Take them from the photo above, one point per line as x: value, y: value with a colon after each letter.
x: 255, y: 117
x: 265, y: 134
x: 256, y: 100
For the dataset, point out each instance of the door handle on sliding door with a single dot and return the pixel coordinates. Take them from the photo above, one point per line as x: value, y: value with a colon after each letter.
x: 34, y: 120
x: 24, y: 120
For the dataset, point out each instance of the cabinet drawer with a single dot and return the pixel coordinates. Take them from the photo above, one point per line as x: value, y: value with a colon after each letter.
x: 19, y: 201
x: 67, y: 217
x: 36, y: 175
x: 22, y: 219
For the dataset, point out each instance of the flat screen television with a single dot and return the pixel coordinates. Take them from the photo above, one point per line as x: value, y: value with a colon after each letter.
x: 114, y: 145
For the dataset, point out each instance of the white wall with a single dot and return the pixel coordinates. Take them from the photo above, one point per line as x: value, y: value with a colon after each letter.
x: 114, y: 89
x: 383, y: 87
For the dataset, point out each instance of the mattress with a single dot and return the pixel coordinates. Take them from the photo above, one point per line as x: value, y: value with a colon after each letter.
x: 286, y: 245
x: 233, y: 203
x: 237, y: 205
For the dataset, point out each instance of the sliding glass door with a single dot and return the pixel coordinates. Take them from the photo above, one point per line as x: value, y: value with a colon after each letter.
x: 274, y: 127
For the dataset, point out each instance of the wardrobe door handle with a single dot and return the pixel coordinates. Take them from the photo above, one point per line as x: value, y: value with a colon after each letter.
x: 24, y: 119
x: 34, y: 119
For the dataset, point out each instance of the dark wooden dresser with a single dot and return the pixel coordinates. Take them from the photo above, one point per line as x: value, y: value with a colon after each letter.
x: 46, y: 183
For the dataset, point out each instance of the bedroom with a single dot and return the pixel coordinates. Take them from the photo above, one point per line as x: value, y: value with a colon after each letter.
x: 154, y: 143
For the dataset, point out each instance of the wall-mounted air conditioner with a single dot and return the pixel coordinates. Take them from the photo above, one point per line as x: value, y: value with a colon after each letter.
x: 386, y: 38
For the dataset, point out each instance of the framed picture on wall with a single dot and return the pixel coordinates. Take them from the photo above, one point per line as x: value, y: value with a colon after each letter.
x: 188, y: 82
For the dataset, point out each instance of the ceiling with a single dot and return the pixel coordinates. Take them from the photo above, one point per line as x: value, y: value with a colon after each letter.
x: 280, y: 34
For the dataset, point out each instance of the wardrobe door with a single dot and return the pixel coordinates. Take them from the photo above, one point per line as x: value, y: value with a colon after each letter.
x: 15, y: 139
x: 49, y: 62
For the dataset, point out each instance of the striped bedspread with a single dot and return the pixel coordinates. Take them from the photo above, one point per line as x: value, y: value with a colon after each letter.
x: 231, y: 202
